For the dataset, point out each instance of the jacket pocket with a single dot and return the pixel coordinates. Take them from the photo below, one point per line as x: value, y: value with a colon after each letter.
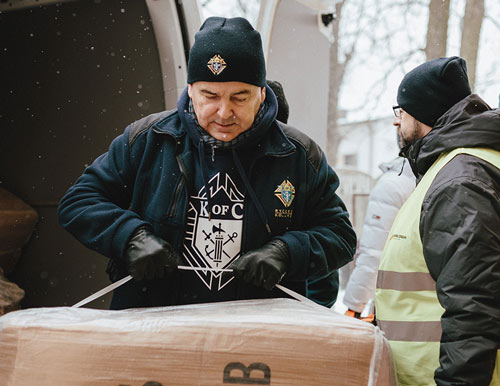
x: 162, y: 199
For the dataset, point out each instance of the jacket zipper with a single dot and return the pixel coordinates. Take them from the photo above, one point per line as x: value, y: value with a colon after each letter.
x: 176, y: 199
x: 179, y: 186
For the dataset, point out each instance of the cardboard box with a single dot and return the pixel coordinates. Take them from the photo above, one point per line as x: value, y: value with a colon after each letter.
x: 258, y: 342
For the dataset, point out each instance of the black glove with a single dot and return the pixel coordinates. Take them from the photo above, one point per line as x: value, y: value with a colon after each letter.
x: 149, y: 256
x: 263, y: 267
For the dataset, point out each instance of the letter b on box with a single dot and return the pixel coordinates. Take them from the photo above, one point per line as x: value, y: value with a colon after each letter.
x: 243, y: 375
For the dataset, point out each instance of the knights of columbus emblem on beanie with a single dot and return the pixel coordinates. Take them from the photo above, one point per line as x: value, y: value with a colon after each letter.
x: 216, y: 64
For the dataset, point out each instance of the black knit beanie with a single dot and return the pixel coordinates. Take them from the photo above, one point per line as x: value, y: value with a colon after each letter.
x: 227, y: 50
x: 430, y: 89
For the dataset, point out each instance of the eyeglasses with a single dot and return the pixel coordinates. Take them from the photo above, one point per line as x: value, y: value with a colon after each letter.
x: 397, y: 111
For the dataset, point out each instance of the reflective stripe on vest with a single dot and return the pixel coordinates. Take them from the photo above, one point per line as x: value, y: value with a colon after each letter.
x: 406, y: 281
x: 406, y: 303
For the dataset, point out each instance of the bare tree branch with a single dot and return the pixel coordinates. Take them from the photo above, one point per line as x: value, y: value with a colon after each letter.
x: 205, y: 3
x: 242, y: 5
x: 494, y: 21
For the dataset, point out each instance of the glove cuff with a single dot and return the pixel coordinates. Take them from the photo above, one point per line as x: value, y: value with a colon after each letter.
x: 139, y: 234
x: 283, y: 248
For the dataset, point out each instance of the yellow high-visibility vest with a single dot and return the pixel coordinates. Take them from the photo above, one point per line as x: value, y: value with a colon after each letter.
x: 406, y: 303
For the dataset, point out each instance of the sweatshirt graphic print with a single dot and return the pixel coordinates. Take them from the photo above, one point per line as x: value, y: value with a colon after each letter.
x: 213, y: 237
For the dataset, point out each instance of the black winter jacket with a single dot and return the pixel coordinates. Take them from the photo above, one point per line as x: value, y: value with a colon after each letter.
x: 146, y: 178
x: 460, y: 233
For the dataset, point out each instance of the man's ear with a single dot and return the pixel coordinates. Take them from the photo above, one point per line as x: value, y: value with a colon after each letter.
x: 190, y: 91
x: 262, y: 94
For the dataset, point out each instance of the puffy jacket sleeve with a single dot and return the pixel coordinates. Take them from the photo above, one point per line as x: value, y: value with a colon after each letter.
x: 388, y: 195
x: 327, y: 240
x: 460, y: 231
x: 94, y: 209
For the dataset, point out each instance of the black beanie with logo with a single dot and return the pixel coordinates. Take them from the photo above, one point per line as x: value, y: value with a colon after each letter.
x: 432, y: 88
x: 227, y: 49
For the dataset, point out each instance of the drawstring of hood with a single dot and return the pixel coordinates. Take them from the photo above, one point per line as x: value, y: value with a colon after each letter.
x: 409, y: 152
x: 402, y: 167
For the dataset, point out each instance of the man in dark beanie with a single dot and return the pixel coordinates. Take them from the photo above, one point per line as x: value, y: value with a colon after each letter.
x: 438, y: 287
x: 215, y: 200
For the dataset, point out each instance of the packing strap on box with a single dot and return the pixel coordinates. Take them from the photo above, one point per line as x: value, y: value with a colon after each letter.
x: 120, y: 282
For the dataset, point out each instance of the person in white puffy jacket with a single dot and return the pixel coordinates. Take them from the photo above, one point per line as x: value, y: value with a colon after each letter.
x: 388, y: 195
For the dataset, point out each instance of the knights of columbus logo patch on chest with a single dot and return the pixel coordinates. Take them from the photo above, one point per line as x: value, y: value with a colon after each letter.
x: 285, y: 192
x: 214, y: 243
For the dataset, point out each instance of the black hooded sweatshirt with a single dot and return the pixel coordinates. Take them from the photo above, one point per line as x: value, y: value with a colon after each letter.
x: 460, y: 233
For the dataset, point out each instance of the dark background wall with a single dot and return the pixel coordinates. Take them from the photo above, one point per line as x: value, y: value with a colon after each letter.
x: 72, y: 76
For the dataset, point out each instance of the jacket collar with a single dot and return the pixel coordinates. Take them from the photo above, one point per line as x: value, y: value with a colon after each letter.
x: 171, y: 125
x: 276, y: 143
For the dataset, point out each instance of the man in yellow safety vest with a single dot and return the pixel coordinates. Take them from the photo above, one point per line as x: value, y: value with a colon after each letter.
x: 438, y: 286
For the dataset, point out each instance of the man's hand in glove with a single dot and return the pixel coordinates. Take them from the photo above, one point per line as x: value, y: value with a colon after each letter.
x: 149, y: 256
x: 263, y: 267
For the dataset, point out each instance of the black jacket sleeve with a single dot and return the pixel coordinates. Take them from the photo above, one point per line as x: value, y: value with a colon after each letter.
x: 460, y: 230
x: 95, y: 208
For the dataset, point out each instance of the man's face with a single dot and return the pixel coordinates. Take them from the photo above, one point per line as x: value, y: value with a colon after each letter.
x: 226, y: 109
x: 409, y: 129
